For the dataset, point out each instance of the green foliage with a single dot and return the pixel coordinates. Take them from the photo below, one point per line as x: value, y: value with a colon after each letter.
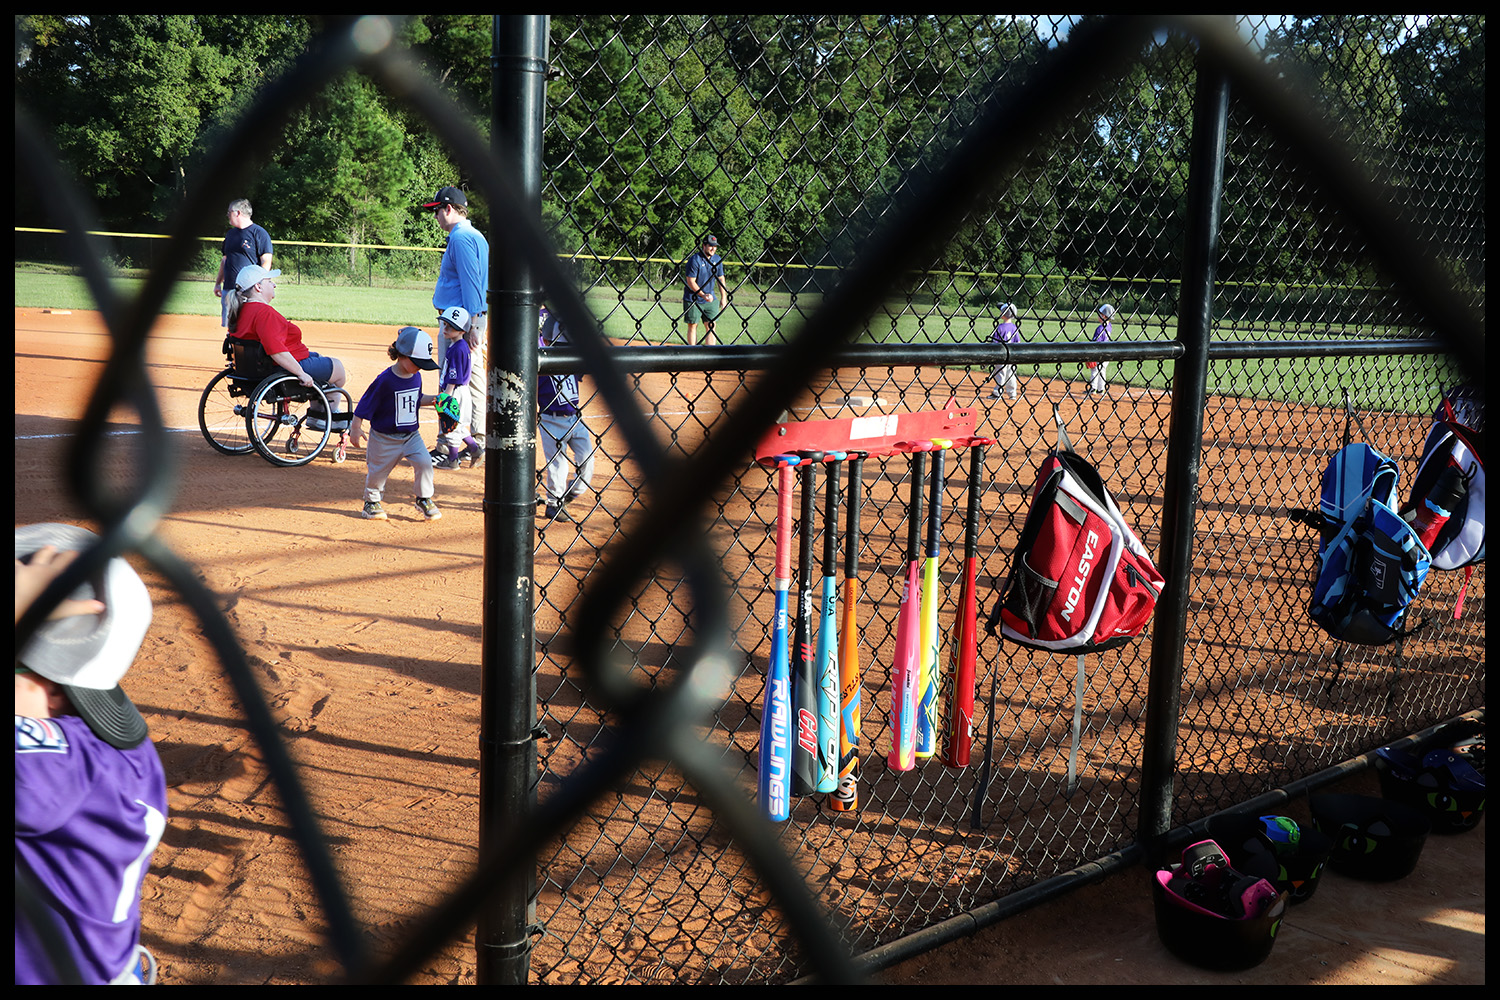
x: 788, y: 136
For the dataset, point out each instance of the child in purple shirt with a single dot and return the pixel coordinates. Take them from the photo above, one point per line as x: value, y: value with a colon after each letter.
x: 1006, y: 333
x: 391, y: 406
x: 456, y: 440
x: 90, y: 794
x: 1097, y: 381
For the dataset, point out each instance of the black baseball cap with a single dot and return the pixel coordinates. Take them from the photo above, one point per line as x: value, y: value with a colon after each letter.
x: 448, y: 196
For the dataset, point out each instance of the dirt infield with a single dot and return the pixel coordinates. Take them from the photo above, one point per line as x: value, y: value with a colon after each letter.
x: 365, y: 636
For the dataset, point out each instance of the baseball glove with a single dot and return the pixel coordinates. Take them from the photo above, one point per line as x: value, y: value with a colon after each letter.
x: 447, y: 406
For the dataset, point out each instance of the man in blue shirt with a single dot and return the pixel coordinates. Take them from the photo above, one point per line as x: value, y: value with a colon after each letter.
x: 464, y: 280
x: 704, y: 269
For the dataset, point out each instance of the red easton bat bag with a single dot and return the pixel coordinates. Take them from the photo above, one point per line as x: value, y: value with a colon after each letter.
x: 1080, y: 580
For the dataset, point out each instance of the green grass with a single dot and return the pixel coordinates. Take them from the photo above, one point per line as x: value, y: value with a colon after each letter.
x: 1404, y: 384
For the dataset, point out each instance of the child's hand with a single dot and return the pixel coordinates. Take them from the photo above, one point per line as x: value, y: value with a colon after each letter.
x: 357, y: 437
x: 32, y: 577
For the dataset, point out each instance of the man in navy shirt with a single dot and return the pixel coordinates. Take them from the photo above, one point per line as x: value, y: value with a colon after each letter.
x: 704, y: 293
x: 244, y: 244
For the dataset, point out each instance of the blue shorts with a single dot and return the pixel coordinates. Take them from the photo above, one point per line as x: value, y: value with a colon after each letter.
x: 319, y: 367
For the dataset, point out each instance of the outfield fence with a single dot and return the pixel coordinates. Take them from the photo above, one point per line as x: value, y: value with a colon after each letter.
x: 619, y: 733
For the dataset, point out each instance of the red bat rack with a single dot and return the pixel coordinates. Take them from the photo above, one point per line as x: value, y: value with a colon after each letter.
x: 875, y: 435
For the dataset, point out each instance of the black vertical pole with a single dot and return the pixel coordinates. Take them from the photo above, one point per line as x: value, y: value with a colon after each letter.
x: 1184, y: 446
x: 508, y: 709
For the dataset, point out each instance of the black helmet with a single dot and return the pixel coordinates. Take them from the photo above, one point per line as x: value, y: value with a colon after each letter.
x: 1378, y: 840
x: 1213, y: 916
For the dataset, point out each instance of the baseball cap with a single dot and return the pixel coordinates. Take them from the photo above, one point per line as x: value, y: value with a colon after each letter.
x: 448, y: 196
x: 88, y: 654
x: 1007, y: 309
x: 710, y: 241
x: 1106, y: 310
x: 253, y: 274
x: 456, y: 316
x: 417, y: 345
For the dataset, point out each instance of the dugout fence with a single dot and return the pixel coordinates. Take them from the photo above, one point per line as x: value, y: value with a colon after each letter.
x: 621, y: 696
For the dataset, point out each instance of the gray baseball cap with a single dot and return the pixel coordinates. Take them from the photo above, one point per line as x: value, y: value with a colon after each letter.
x: 417, y: 345
x: 88, y: 654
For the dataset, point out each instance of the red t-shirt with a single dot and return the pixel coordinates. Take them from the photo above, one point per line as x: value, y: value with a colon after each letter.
x: 258, y: 321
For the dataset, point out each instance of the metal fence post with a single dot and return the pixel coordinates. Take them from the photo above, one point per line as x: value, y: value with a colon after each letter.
x: 1184, y: 447
x: 508, y: 710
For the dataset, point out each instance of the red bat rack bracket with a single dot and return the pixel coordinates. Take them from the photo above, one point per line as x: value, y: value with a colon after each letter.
x: 875, y: 435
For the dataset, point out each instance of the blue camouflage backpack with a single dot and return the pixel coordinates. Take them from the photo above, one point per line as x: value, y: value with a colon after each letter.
x: 1371, y: 563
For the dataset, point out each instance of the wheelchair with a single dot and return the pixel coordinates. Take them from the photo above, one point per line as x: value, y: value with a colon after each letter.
x: 256, y: 405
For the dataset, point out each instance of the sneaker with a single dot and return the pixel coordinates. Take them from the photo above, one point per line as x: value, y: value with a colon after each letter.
x: 558, y: 513
x: 373, y: 511
x: 446, y: 462
x: 475, y: 457
x: 437, y: 455
x: 428, y: 508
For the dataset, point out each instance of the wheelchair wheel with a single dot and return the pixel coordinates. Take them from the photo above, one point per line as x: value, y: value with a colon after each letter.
x: 221, y: 415
x: 279, y: 408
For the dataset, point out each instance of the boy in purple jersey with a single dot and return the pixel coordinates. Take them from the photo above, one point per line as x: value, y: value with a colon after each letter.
x: 1099, y: 369
x: 1006, y: 333
x: 391, y: 406
x: 456, y: 440
x: 90, y: 795
x: 560, y: 420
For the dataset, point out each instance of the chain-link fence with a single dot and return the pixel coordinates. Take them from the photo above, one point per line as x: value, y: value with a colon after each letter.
x: 853, y: 105
x: 896, y: 180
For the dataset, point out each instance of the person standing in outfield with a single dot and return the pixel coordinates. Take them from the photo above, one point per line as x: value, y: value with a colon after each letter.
x: 464, y: 281
x: 90, y: 794
x: 392, y: 404
x: 1098, y: 369
x: 454, y: 380
x: 702, y: 275
x: 561, y: 422
x: 244, y: 244
x: 1006, y: 333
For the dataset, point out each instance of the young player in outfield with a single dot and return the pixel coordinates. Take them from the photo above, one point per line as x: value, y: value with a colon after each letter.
x: 392, y: 405
x: 456, y: 440
x: 90, y: 794
x: 560, y: 421
x: 1098, y: 382
x: 1006, y: 333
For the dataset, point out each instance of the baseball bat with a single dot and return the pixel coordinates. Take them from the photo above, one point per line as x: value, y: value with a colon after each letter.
x: 927, y: 673
x: 846, y: 797
x: 907, y: 664
x: 827, y: 670
x: 776, y: 710
x: 959, y: 697
x: 804, y: 682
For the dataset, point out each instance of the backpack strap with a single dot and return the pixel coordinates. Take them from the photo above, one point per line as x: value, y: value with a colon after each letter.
x: 1352, y: 418
x: 1063, y: 444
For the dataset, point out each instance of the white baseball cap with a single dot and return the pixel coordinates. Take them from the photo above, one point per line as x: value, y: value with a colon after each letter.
x: 88, y: 654
x: 251, y: 275
x: 455, y: 316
